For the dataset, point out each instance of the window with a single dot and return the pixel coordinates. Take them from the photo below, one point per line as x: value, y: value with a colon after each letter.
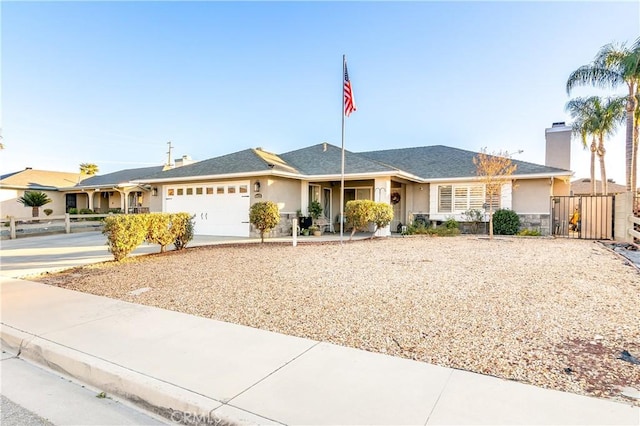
x: 243, y: 189
x: 209, y: 190
x: 171, y: 192
x: 189, y: 191
x: 198, y: 191
x: 219, y: 189
x: 231, y: 189
x: 444, y: 199
x: 460, y: 198
x: 180, y: 191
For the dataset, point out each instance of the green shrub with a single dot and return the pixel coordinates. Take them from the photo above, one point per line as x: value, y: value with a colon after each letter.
x: 315, y: 209
x: 358, y: 214
x: 125, y: 233
x: 182, y: 223
x: 382, y: 215
x: 529, y: 233
x: 115, y: 211
x: 159, y: 230
x: 73, y: 210
x: 505, y: 222
x: 86, y: 211
x: 264, y: 215
x: 441, y: 231
x: 451, y: 223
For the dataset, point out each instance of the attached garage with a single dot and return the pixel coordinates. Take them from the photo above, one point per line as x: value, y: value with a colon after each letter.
x: 220, y: 208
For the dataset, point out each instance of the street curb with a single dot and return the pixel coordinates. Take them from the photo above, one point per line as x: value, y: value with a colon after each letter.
x: 173, y: 403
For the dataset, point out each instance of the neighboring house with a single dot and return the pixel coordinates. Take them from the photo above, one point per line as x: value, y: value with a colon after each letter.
x: 432, y: 183
x: 583, y: 187
x: 112, y: 192
x: 14, y: 185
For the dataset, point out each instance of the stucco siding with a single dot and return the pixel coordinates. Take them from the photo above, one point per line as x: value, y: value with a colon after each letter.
x: 532, y: 196
x: 11, y: 207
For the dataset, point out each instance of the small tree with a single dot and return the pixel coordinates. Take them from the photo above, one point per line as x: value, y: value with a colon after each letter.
x: 494, y: 170
x: 315, y: 210
x: 264, y: 215
x: 35, y: 200
x: 382, y: 216
x: 358, y: 214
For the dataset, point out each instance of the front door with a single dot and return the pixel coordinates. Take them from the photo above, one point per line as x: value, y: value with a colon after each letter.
x: 71, y: 202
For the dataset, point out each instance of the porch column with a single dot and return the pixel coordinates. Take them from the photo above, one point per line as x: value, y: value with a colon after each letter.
x: 304, y: 196
x: 382, y: 194
x: 90, y: 193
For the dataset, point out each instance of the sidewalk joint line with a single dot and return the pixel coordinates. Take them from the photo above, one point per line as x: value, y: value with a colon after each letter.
x: 435, y: 404
x: 272, y: 373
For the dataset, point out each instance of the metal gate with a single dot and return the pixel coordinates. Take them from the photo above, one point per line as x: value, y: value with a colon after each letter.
x: 588, y: 217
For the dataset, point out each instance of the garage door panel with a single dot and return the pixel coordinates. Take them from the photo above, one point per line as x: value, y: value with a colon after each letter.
x: 224, y: 214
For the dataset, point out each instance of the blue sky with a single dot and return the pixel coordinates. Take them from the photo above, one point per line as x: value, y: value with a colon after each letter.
x: 112, y: 82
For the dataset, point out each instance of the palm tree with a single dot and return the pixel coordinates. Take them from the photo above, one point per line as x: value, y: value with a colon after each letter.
x: 613, y: 66
x: 88, y: 169
x: 599, y: 118
x: 35, y: 200
x: 581, y: 111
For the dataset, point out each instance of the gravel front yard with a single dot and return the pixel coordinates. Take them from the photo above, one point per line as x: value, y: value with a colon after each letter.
x: 553, y: 313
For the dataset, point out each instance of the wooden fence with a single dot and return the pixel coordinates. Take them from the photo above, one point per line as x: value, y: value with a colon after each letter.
x: 50, y: 224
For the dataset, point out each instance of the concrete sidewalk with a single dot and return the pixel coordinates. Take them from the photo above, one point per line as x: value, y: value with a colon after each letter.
x: 190, y: 369
x: 184, y: 367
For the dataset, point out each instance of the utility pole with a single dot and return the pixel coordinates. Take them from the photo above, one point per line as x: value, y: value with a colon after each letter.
x: 169, y: 154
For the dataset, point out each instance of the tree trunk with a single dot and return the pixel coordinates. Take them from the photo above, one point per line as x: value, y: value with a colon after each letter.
x: 593, y: 166
x: 491, y: 217
x: 631, y: 109
x: 35, y: 211
x: 603, y: 172
x: 634, y: 160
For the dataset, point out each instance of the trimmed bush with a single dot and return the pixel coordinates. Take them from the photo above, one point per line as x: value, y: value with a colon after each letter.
x: 382, y: 215
x: 265, y: 215
x: 360, y: 213
x: 125, y: 233
x: 505, y: 222
x: 159, y: 230
x: 182, y: 223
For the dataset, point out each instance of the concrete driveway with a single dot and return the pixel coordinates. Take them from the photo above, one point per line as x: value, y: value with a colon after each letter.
x: 30, y: 256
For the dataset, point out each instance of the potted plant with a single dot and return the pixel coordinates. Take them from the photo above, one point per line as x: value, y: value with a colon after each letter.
x: 315, y: 230
x: 305, y: 232
x: 315, y: 210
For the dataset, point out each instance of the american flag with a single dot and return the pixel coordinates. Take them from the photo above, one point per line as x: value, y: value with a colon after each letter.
x: 349, y: 102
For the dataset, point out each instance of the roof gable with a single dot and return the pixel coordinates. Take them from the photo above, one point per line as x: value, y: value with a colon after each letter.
x: 326, y: 159
x: 39, y: 179
x: 120, y: 177
x: 245, y: 161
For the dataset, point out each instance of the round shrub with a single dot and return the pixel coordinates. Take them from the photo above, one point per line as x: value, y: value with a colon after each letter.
x: 505, y: 222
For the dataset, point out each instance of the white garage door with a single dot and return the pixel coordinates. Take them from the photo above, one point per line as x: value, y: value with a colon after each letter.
x: 220, y: 208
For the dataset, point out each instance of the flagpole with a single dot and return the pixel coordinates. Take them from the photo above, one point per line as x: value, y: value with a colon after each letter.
x: 344, y: 64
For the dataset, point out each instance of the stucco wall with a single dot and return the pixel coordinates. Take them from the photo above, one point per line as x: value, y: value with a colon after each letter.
x: 532, y: 196
x: 9, y: 205
x: 284, y: 192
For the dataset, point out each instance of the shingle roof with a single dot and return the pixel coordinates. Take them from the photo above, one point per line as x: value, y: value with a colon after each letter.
x: 245, y: 161
x: 583, y: 187
x: 438, y: 162
x: 39, y: 179
x: 121, y: 176
x: 326, y: 159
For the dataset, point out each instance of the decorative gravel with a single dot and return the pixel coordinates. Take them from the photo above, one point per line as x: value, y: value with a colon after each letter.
x: 552, y: 313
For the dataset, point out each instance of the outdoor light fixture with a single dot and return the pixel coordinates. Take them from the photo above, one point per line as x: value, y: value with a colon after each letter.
x: 256, y: 186
x: 154, y: 191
